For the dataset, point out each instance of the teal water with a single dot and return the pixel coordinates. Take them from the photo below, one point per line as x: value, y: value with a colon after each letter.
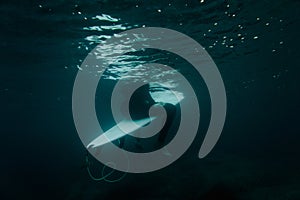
x: 255, y: 46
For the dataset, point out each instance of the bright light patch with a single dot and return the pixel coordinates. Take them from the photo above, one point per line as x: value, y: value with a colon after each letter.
x: 167, y: 97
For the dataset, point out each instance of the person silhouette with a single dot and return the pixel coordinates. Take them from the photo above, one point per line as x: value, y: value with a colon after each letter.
x: 140, y: 103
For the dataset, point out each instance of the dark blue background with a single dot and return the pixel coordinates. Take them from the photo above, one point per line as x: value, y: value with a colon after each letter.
x: 257, y: 156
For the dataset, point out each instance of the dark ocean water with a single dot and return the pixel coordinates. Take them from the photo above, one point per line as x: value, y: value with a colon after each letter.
x: 253, y: 43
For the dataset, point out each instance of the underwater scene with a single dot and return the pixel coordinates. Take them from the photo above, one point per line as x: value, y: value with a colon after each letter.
x: 150, y: 100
